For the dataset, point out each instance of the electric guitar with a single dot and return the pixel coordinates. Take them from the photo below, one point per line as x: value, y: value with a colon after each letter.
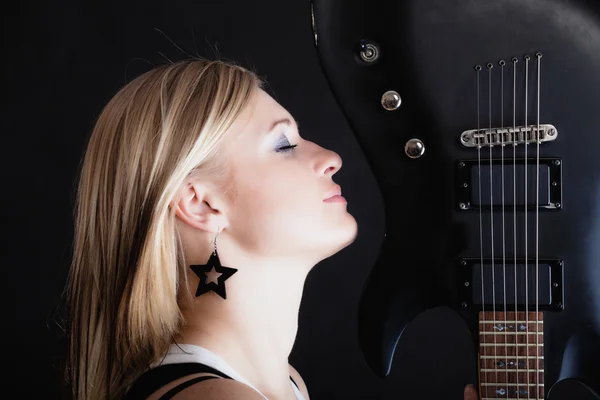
x: 481, y: 123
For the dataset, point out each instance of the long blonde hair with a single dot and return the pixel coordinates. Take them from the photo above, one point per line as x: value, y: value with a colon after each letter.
x: 122, y: 309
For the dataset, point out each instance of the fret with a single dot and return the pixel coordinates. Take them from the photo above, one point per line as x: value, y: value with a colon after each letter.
x: 502, y: 363
x: 510, y: 327
x: 530, y: 356
x: 530, y: 344
x: 491, y: 321
x: 511, y: 337
x: 512, y: 384
x: 499, y: 327
x: 510, y: 316
x: 491, y: 377
x: 510, y: 350
x: 511, y: 390
x: 509, y: 333
x: 498, y: 370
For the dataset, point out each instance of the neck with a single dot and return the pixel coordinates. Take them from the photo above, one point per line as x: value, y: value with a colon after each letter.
x: 255, y: 327
x: 511, y: 355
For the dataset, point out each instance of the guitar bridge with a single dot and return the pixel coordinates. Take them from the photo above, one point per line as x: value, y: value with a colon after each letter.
x: 508, y: 136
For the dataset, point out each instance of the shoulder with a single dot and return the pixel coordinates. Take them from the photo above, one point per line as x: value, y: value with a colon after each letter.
x: 216, y: 388
x: 222, y: 389
x: 299, y: 381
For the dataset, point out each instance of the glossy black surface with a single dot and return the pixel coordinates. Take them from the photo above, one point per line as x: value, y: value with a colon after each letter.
x: 427, y: 52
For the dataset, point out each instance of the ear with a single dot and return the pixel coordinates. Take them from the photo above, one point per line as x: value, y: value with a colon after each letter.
x: 201, y: 208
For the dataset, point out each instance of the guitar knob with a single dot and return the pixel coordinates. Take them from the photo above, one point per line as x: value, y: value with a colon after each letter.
x: 391, y: 100
x: 368, y: 51
x: 414, y: 148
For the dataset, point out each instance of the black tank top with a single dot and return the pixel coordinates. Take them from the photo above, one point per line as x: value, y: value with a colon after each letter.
x: 152, y: 380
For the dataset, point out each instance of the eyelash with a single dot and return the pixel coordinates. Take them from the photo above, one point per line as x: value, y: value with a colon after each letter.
x: 286, y: 149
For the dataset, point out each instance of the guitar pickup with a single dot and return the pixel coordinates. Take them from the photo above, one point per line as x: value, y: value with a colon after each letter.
x: 520, y: 177
x: 497, y: 285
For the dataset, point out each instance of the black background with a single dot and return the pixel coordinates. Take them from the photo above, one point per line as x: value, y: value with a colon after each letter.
x: 64, y: 60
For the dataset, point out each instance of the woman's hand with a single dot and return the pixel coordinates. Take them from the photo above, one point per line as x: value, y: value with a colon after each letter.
x: 470, y: 393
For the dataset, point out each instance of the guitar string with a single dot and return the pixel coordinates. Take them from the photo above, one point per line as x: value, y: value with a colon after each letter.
x: 515, y: 136
x: 502, y: 63
x: 526, y: 233
x: 478, y: 69
x: 537, y: 212
x: 491, y: 145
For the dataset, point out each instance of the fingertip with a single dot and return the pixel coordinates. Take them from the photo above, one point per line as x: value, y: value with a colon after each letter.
x: 470, y: 392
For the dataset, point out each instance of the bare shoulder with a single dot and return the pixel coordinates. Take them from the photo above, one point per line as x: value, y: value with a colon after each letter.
x: 222, y: 389
x: 299, y: 381
x: 218, y: 389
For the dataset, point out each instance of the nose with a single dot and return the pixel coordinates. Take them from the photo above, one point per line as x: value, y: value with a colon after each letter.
x: 330, y: 163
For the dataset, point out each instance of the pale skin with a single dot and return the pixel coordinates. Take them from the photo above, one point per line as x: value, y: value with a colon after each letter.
x: 277, y: 229
x: 274, y: 233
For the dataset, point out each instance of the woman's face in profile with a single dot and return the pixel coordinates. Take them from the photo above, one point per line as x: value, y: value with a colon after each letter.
x: 279, y: 206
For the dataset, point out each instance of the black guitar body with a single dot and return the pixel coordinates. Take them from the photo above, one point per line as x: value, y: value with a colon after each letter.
x: 442, y: 206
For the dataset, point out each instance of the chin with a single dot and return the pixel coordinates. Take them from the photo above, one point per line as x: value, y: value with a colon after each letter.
x: 352, y: 230
x: 345, y: 235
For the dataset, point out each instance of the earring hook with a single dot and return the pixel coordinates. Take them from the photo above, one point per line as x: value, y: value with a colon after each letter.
x: 215, y: 240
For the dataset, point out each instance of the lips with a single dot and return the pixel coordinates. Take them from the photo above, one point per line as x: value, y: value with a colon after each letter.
x: 335, y: 191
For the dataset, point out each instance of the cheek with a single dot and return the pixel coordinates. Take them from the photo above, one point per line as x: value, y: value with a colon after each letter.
x: 272, y: 202
x: 275, y: 193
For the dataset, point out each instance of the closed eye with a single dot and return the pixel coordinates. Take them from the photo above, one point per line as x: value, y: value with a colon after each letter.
x: 284, y: 146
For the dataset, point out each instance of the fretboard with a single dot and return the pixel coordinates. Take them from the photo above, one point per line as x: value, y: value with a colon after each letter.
x: 511, y: 355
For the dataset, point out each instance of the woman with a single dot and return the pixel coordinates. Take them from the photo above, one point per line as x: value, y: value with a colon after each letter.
x: 200, y: 211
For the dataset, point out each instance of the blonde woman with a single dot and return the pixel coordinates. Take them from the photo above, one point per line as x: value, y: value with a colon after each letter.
x: 194, y: 164
x: 200, y: 211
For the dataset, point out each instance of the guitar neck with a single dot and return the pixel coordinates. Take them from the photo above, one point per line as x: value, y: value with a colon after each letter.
x: 511, y: 355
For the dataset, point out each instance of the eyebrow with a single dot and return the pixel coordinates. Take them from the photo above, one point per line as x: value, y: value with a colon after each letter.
x: 285, y: 121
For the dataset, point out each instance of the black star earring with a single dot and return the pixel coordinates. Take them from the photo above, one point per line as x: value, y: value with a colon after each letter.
x: 212, y: 267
